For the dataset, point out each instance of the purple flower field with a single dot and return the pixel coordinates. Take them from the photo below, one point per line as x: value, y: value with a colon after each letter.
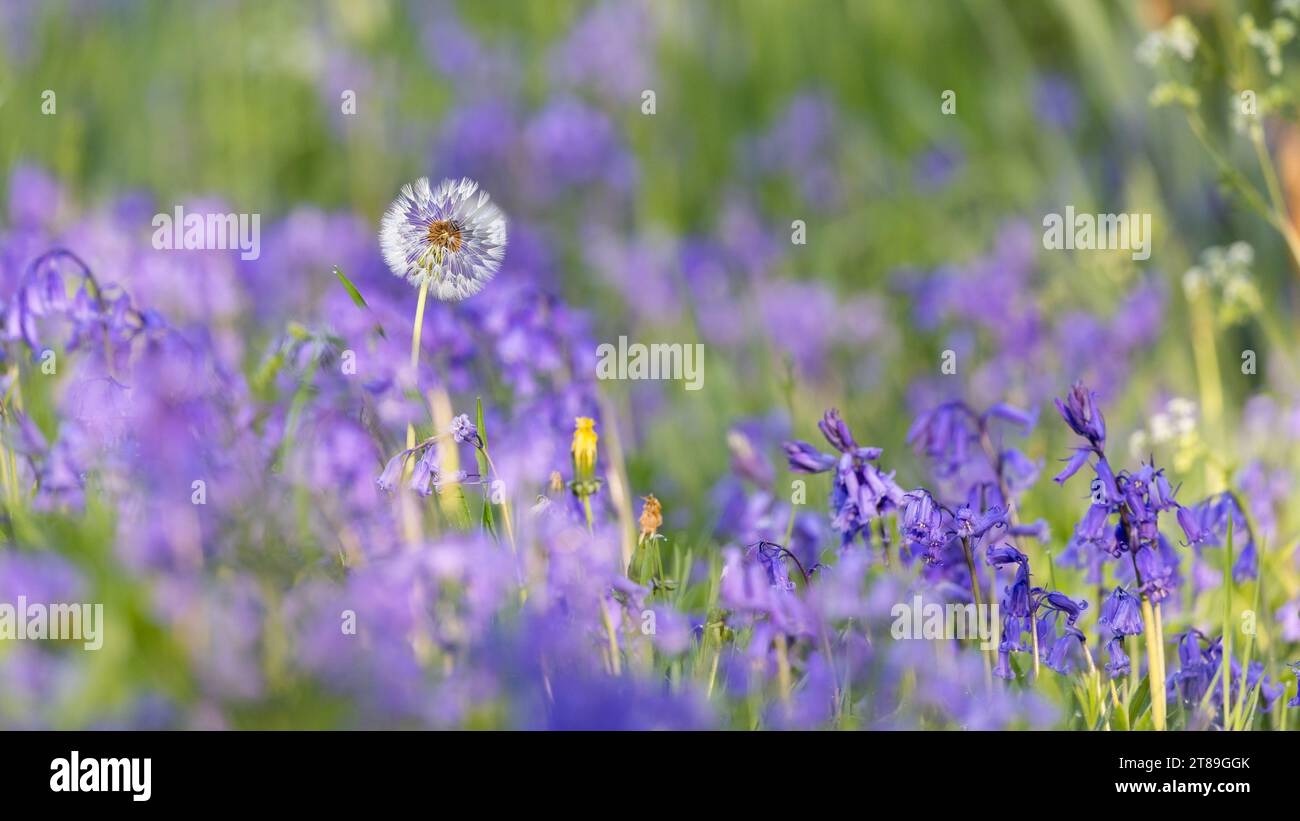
x: 631, y: 365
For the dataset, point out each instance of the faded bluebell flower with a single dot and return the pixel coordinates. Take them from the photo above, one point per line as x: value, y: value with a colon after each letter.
x: 392, y: 472
x: 464, y: 431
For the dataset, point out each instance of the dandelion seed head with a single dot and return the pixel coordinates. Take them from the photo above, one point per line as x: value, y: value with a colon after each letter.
x: 452, y: 235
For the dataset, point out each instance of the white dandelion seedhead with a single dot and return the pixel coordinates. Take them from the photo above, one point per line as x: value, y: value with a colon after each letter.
x: 452, y: 235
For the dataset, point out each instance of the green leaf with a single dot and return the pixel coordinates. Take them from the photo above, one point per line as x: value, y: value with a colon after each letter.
x: 357, y: 298
x: 1119, y: 719
x: 1139, y: 704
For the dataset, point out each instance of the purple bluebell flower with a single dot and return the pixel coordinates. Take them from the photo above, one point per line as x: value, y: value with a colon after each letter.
x: 922, y: 524
x: 837, y: 432
x: 1122, y: 613
x: 1119, y: 664
x: 1095, y: 530
x: 1004, y: 555
x: 1067, y: 644
x: 804, y: 458
x: 1196, y: 669
x: 1159, y: 569
x: 1077, y: 460
x: 973, y: 527
x: 464, y: 431
x: 1206, y: 525
x: 392, y: 471
x: 426, y: 474
x: 860, y: 492
x: 1081, y: 413
x: 948, y: 436
x: 1062, y: 603
x: 1018, y: 598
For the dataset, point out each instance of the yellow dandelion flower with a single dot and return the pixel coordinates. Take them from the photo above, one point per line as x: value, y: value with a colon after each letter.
x: 584, y: 448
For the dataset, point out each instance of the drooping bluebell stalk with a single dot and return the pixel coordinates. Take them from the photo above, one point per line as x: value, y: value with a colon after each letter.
x: 1135, y: 499
x: 860, y: 492
x: 1026, y: 608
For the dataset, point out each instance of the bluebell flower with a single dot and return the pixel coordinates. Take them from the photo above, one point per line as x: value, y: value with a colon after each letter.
x: 1119, y: 661
x: 387, y: 480
x: 1017, y: 599
x: 1269, y: 692
x: 1206, y: 526
x: 921, y: 523
x: 804, y: 458
x: 1016, y: 416
x: 1018, y: 470
x: 1003, y: 667
x: 1196, y: 669
x: 464, y: 431
x: 1076, y: 461
x: 1094, y: 530
x: 426, y: 474
x: 973, y: 527
x: 1004, y: 555
x: 836, y: 431
x: 860, y: 492
x: 1159, y: 569
x: 1058, y: 657
x: 1081, y: 413
x: 1064, y: 604
x: 1122, y: 613
x: 948, y: 436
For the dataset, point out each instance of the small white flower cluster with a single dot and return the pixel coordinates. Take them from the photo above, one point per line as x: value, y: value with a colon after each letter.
x: 1268, y: 41
x: 1178, y: 39
x: 1226, y: 271
x: 1176, y: 425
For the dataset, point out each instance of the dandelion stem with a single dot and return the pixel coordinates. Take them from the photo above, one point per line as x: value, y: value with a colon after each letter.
x: 410, y: 515
x: 418, y: 330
